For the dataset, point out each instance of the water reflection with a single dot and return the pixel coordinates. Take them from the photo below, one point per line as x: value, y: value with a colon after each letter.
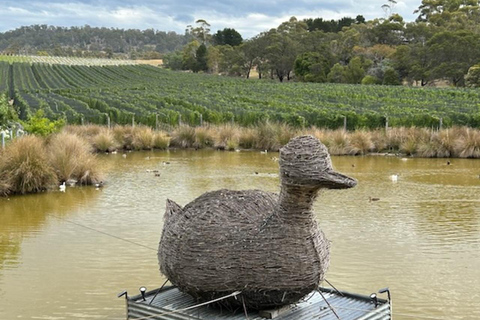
x: 25, y: 216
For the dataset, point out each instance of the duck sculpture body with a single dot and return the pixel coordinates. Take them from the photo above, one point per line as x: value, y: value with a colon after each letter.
x: 266, y: 245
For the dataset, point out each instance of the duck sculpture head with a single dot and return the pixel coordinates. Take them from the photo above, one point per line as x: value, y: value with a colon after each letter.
x: 266, y: 245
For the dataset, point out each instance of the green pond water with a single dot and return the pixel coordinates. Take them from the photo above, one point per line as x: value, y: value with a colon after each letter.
x: 67, y: 255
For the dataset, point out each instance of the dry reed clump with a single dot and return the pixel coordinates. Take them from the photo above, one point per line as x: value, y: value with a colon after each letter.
x: 4, y: 181
x: 267, y: 137
x: 104, y: 141
x: 338, y: 142
x: 226, y: 137
x: 360, y: 143
x: 25, y: 166
x: 247, y: 138
x: 468, y: 145
x: 320, y: 134
x: 204, y: 137
x: 123, y: 136
x: 395, y: 137
x: 379, y: 140
x: 142, y: 138
x: 161, y: 140
x: 66, y: 153
x: 285, y: 133
x: 183, y: 137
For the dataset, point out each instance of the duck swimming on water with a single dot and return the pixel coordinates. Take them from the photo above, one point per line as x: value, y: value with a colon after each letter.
x: 266, y: 245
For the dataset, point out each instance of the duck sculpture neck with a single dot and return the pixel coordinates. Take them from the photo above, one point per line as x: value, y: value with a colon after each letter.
x: 296, y: 200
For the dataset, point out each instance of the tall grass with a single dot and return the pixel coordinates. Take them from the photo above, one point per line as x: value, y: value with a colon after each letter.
x: 142, y: 138
x: 183, y: 137
x: 204, y: 137
x: 161, y: 140
x: 226, y: 137
x: 468, y: 145
x: 72, y: 159
x: 25, y: 166
x: 420, y: 142
x: 104, y: 141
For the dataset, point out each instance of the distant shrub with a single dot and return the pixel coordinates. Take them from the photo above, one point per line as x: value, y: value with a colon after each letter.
x: 39, y: 125
x: 369, y: 80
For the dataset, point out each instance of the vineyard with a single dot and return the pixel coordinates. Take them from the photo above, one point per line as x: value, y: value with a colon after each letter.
x: 151, y: 96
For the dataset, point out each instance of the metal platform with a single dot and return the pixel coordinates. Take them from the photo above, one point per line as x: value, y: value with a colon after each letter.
x: 169, y: 304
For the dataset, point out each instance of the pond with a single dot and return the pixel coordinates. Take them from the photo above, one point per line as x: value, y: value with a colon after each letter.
x: 67, y: 255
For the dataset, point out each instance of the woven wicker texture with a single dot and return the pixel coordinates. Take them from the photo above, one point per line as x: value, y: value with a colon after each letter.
x: 266, y: 245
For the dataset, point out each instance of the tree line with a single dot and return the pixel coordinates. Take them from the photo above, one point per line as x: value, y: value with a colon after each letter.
x: 442, y: 44
x: 89, y: 41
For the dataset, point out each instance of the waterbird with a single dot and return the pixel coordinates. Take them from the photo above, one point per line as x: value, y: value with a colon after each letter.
x: 62, y: 187
x: 394, y: 177
x: 165, y: 162
x: 114, y: 152
x: 99, y: 185
x: 267, y: 245
x: 264, y: 152
x: 373, y: 199
x: 124, y: 155
x: 448, y: 163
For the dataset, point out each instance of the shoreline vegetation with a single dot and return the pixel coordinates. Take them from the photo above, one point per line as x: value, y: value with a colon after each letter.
x: 33, y: 164
x: 455, y: 142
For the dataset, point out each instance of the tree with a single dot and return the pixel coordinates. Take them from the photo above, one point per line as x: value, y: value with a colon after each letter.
x: 472, y: 79
x: 201, y: 59
x: 391, y: 77
x: 201, y: 32
x: 313, y: 66
x: 336, y: 74
x: 453, y: 53
x: 227, y: 36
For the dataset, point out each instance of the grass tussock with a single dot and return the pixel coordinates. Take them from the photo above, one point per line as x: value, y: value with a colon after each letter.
x: 161, y: 140
x: 247, y: 138
x: 360, y: 143
x: 267, y: 137
x: 72, y: 159
x: 25, y: 166
x: 123, y: 136
x: 338, y: 142
x: 226, y: 137
x: 104, y: 141
x: 204, y: 137
x: 468, y: 145
x: 142, y: 138
x: 183, y: 137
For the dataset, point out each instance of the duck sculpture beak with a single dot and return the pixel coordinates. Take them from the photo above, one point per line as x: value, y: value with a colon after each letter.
x: 334, y: 180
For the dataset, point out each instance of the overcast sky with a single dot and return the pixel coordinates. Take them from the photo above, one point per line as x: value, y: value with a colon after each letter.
x: 249, y: 17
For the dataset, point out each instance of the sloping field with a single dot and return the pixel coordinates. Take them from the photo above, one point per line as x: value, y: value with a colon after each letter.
x: 146, y: 93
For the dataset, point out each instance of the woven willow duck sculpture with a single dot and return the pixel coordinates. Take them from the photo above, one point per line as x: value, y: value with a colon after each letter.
x: 265, y: 245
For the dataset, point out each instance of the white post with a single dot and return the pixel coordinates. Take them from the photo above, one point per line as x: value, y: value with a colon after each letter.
x: 344, y: 123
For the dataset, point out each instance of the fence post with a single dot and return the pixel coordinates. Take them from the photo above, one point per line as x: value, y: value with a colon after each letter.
x: 345, y: 123
x: 201, y: 120
x: 440, y: 125
x: 386, y: 123
x: 133, y: 120
x: 3, y: 139
x: 179, y: 119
